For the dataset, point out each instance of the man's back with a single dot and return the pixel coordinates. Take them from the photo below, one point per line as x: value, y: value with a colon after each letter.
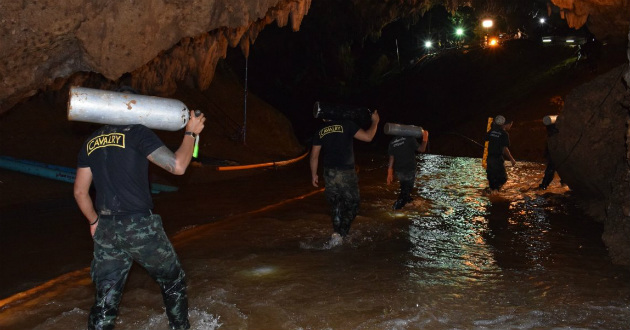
x: 117, y: 157
x: 403, y: 148
x: 336, y: 139
x: 497, y: 140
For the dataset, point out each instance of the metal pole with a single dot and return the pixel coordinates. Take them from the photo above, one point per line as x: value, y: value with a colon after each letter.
x: 245, y: 104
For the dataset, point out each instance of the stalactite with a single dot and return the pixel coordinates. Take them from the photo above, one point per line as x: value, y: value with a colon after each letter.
x: 48, y: 40
x: 198, y: 56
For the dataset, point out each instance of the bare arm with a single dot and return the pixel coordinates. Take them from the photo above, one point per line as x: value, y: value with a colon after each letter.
x: 425, y: 141
x: 314, y: 161
x: 82, y: 184
x: 390, y: 170
x: 367, y: 136
x: 508, y: 155
x: 178, y: 162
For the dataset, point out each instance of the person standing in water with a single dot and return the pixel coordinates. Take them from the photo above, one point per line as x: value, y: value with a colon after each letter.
x: 124, y: 228
x: 402, y: 160
x: 498, y: 150
x: 334, y: 140
x: 550, y: 170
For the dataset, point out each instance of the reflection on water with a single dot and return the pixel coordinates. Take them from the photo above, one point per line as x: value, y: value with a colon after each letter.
x: 448, y: 236
x: 452, y: 259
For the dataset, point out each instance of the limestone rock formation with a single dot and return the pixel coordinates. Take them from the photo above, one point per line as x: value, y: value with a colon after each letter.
x: 592, y: 149
x: 607, y: 19
x: 590, y: 155
x: 159, y: 41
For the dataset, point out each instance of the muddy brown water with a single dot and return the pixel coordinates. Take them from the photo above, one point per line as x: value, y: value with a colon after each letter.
x: 257, y: 258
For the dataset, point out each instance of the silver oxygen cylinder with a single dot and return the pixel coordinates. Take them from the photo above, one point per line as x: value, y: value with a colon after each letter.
x: 114, y: 108
x: 549, y: 120
x: 359, y: 115
x: 403, y: 130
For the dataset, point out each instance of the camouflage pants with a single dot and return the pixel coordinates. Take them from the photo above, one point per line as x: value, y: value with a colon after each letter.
x: 342, y: 193
x: 118, y: 241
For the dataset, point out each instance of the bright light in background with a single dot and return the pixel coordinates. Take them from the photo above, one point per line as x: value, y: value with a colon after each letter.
x: 487, y: 23
x: 493, y: 42
x: 542, y: 20
x: 459, y: 32
x: 428, y: 44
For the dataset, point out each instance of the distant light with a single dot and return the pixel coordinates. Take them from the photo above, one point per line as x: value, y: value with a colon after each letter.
x: 459, y: 31
x: 570, y: 40
x: 493, y: 42
x: 487, y: 23
x: 542, y: 21
x: 428, y: 44
x: 546, y: 40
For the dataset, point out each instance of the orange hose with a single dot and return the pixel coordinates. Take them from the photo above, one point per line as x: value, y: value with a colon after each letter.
x: 252, y: 166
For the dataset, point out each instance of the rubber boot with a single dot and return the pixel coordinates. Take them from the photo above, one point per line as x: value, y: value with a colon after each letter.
x: 176, y: 303
x: 105, y: 310
x: 400, y: 202
x: 336, y: 219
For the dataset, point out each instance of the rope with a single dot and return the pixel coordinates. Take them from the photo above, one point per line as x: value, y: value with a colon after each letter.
x: 465, y: 137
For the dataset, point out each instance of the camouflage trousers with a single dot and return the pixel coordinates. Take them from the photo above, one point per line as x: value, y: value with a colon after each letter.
x: 342, y: 193
x: 118, y: 241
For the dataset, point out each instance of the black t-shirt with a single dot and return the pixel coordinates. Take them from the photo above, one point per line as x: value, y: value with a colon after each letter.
x: 336, y: 138
x: 117, y: 157
x: 403, y: 148
x: 497, y: 140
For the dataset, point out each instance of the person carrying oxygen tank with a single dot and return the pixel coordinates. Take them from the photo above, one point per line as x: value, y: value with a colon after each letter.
x: 123, y: 227
x: 402, y: 151
x: 334, y: 141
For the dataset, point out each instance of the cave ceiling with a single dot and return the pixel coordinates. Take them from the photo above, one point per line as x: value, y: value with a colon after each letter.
x: 156, y: 44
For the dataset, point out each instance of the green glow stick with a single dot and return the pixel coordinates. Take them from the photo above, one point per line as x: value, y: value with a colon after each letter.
x: 196, y: 149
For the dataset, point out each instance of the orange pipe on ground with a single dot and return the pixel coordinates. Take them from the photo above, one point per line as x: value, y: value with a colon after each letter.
x: 252, y: 166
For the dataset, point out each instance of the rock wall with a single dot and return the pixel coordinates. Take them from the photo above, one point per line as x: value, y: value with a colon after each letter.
x: 164, y: 41
x: 607, y: 19
x: 591, y: 154
x: 592, y: 150
x: 45, y: 40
